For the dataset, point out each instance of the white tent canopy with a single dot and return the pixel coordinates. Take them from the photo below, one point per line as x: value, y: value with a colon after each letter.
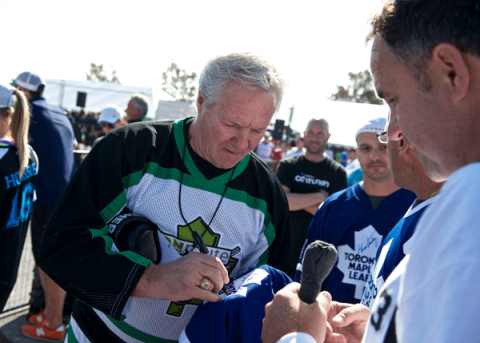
x: 99, y: 95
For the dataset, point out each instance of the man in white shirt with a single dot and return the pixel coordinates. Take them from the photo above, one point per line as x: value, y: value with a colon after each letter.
x: 428, y: 74
x: 265, y: 148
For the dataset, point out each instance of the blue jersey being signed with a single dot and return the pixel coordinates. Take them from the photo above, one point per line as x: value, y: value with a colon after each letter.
x: 238, y: 317
x: 348, y: 221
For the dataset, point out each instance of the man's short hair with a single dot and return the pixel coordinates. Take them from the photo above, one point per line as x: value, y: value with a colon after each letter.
x: 248, y: 69
x: 413, y: 28
x: 140, y: 101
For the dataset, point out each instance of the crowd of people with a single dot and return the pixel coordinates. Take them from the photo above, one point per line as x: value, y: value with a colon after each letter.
x: 193, y: 230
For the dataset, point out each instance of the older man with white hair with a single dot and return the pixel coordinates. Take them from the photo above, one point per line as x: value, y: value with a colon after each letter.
x: 193, y: 180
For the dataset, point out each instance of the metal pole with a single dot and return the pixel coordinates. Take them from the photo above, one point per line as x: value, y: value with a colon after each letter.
x: 60, y: 96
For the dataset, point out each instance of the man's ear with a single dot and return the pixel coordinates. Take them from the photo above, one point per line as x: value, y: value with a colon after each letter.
x: 453, y: 69
x: 404, y: 148
x: 200, y: 102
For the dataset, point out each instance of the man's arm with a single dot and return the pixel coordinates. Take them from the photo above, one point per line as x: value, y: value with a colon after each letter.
x: 77, y: 252
x: 305, y: 201
x: 178, y: 280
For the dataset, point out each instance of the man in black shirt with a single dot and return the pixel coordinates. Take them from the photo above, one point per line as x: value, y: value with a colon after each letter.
x: 309, y: 179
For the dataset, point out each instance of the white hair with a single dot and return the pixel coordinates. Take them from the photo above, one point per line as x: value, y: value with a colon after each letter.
x: 248, y: 69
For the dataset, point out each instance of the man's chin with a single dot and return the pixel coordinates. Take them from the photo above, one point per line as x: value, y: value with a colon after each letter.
x: 228, y: 162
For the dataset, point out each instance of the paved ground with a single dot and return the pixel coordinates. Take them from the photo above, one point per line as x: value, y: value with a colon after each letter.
x: 12, y: 320
x: 10, y: 324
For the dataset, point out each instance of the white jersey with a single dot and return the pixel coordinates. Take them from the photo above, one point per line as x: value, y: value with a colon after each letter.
x: 439, y: 293
x: 438, y: 281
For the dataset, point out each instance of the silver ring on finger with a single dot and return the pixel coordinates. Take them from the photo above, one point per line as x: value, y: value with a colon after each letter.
x: 205, y: 283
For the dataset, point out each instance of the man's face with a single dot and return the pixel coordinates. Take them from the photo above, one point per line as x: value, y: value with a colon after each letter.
x: 25, y: 92
x: 299, y: 144
x: 107, y: 127
x: 229, y: 129
x: 132, y: 111
x: 316, y: 137
x: 419, y: 117
x: 352, y: 154
x: 373, y: 157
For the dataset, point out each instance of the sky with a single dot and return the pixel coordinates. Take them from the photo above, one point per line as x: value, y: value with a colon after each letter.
x: 314, y: 44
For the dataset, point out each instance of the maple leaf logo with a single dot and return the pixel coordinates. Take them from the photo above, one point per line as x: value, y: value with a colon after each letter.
x: 356, y: 264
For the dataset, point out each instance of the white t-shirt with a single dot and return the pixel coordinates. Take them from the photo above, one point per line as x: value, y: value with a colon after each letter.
x: 265, y: 150
x: 352, y: 166
x: 294, y: 152
x: 439, y: 298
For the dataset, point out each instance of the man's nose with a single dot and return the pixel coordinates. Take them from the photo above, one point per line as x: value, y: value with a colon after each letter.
x: 241, y: 140
x: 393, y: 130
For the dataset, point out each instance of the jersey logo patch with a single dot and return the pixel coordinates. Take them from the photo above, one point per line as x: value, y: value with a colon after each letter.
x: 356, y: 264
x: 184, y: 241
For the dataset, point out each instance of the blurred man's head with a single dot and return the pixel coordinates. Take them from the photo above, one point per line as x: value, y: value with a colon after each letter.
x: 137, y: 107
x: 300, y: 142
x: 316, y: 136
x: 110, y: 118
x: 408, y: 171
x: 425, y: 63
x: 352, y: 153
x: 30, y: 84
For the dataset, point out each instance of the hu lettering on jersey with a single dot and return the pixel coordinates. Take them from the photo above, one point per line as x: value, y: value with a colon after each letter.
x: 356, y: 264
x: 12, y: 180
x: 310, y: 180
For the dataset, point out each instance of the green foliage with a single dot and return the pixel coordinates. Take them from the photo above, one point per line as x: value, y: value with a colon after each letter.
x: 179, y: 83
x: 98, y: 73
x: 361, y: 90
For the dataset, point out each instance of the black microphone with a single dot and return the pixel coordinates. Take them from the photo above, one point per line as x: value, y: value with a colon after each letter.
x: 318, y: 261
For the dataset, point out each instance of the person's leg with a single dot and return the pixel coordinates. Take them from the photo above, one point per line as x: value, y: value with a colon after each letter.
x: 54, y: 300
x: 51, y: 328
x: 40, y: 215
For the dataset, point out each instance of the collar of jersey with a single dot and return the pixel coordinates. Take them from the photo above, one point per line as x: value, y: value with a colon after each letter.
x: 188, y: 160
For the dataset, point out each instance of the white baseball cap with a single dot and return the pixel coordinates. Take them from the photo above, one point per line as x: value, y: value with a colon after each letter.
x: 110, y: 114
x: 6, y: 96
x: 30, y: 81
x: 376, y: 125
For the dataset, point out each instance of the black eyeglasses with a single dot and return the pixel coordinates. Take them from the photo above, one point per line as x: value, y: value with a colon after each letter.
x: 382, y: 137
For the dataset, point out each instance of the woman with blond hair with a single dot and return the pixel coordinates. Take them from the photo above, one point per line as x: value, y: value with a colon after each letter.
x: 18, y: 168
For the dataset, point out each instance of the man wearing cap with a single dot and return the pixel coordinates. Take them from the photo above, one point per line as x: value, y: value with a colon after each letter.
x: 109, y: 120
x: 309, y: 179
x: 137, y: 108
x: 52, y: 139
x: 357, y: 219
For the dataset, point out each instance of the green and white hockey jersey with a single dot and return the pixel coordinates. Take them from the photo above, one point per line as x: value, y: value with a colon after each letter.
x: 140, y: 166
